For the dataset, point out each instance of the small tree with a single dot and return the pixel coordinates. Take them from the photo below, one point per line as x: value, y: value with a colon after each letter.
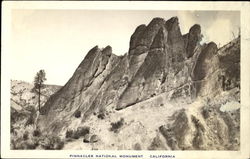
x: 38, y: 85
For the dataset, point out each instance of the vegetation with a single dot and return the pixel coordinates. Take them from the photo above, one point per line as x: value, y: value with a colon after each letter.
x: 157, y: 144
x: 78, y: 114
x: 101, y: 116
x: 69, y: 133
x: 27, y: 138
x: 137, y: 146
x: 83, y: 130
x: 52, y: 143
x: 79, y: 132
x: 37, y: 133
x: 38, y: 85
x: 117, y: 125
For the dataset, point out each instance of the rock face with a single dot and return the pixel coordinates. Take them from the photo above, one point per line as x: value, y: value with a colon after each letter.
x: 192, y: 39
x: 160, y: 61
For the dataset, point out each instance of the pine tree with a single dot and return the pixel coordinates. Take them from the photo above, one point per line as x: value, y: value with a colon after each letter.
x: 38, y: 85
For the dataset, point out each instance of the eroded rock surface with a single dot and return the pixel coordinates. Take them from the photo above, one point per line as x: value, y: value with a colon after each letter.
x: 161, y: 62
x: 208, y: 129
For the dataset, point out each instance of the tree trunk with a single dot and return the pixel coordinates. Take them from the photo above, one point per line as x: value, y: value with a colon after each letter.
x: 39, y: 94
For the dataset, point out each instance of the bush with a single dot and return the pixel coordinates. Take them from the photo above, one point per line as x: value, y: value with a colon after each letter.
x: 59, y: 145
x: 101, y: 116
x: 76, y: 135
x: 157, y: 144
x: 137, y: 146
x: 36, y: 133
x: 117, y: 125
x: 30, y: 121
x: 207, y: 112
x: 20, y: 144
x: 69, y: 133
x: 24, y: 145
x: 77, y: 114
x: 82, y: 131
x: 30, y: 138
x: 30, y: 145
x: 26, y: 135
x: 52, y: 143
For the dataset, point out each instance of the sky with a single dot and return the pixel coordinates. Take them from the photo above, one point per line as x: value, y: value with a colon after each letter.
x: 58, y: 40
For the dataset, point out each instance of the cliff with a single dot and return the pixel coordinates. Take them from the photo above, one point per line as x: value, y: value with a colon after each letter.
x: 161, y: 63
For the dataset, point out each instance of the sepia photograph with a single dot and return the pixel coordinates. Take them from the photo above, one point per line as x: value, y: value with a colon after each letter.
x: 115, y: 83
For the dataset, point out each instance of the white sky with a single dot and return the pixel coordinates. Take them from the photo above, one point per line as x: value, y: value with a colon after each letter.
x: 58, y: 40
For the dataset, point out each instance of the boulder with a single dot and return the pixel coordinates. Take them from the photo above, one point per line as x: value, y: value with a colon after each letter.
x: 87, y: 138
x: 94, y: 138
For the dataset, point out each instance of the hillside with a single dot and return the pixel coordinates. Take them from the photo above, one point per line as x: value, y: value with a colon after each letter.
x: 24, y: 102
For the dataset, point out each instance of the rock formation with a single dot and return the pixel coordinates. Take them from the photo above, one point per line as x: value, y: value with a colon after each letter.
x: 160, y: 61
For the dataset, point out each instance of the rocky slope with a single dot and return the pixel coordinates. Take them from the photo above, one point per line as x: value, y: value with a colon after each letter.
x: 24, y: 101
x: 163, y: 67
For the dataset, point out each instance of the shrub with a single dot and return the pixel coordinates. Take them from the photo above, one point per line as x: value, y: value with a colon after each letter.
x: 30, y: 138
x: 137, y: 146
x: 59, y: 145
x: 197, y: 123
x: 45, y: 143
x: 69, y: 133
x: 76, y: 135
x: 156, y: 144
x: 30, y: 145
x: 117, y: 125
x: 31, y: 109
x: 101, y: 115
x: 26, y: 135
x: 30, y: 121
x: 36, y: 133
x: 78, y: 114
x: 83, y: 130
x: 207, y: 112
x: 52, y: 143
x: 24, y: 145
